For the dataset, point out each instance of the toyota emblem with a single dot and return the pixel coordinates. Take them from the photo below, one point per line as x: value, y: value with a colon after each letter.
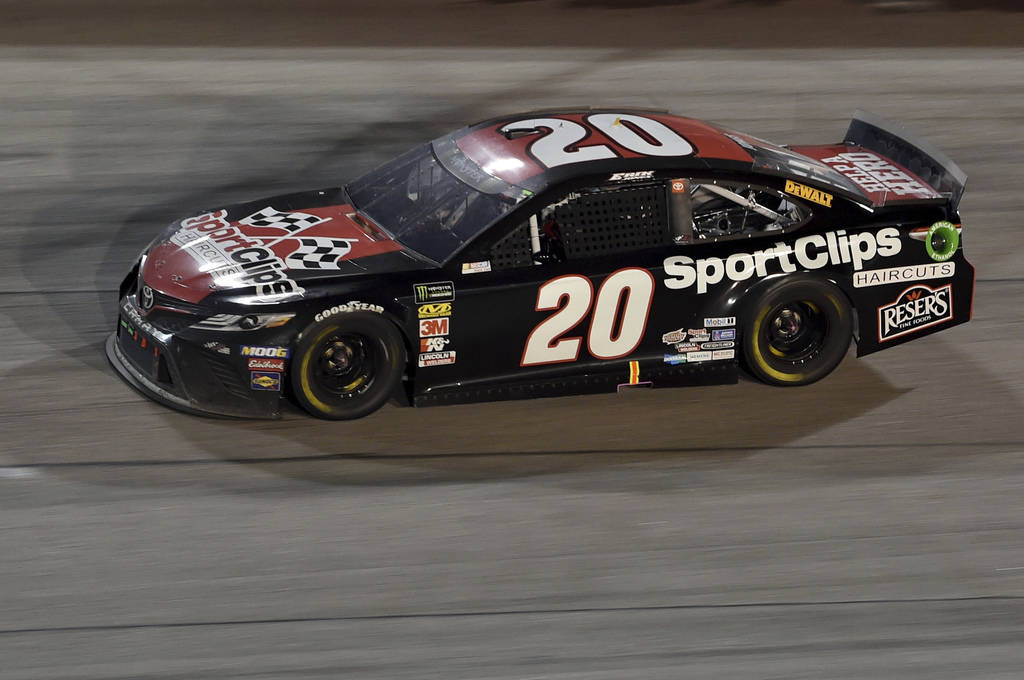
x: 147, y: 297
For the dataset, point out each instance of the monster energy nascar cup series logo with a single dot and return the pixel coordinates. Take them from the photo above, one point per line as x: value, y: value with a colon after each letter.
x: 440, y: 291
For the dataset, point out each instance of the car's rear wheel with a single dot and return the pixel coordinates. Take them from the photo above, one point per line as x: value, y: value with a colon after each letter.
x: 797, y: 332
x: 347, y: 365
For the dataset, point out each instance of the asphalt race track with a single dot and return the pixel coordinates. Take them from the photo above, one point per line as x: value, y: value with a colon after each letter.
x: 868, y: 526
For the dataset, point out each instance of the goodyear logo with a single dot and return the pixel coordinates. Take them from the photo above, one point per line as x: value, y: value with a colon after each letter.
x: 275, y: 352
x: 813, y: 195
x: 434, y: 310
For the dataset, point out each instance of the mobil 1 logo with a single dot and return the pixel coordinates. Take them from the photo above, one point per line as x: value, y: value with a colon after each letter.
x: 916, y: 308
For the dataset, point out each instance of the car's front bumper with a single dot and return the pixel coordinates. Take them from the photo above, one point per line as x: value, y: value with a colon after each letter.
x: 183, y: 374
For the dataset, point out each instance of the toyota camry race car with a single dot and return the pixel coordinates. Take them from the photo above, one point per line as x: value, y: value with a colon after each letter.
x: 552, y: 253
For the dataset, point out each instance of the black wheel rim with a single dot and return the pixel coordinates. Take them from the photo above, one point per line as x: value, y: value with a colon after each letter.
x: 345, y: 365
x: 795, y: 332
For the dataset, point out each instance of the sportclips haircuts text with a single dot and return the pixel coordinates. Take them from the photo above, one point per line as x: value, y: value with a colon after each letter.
x: 808, y: 252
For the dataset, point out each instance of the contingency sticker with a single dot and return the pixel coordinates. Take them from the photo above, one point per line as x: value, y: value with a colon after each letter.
x: 433, y: 327
x: 436, y: 359
x: 439, y: 291
x: 261, y: 380
x: 434, y: 310
x: 916, y: 308
x: 476, y: 267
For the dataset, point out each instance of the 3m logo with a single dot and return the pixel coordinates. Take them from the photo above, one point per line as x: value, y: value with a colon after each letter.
x: 432, y: 327
x: 432, y: 311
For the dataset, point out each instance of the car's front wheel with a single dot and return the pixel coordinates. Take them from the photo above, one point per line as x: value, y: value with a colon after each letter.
x: 797, y: 332
x: 347, y: 365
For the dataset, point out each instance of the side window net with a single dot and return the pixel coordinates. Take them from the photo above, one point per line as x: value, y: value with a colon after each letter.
x: 514, y: 249
x: 613, y: 221
x: 621, y: 219
x: 588, y: 223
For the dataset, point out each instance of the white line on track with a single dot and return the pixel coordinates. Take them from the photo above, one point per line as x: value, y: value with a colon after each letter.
x: 17, y: 473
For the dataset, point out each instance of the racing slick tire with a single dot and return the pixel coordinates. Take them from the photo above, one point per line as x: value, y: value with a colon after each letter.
x: 797, y: 332
x: 347, y: 365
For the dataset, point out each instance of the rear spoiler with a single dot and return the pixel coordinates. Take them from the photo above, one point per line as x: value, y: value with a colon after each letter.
x: 918, y: 156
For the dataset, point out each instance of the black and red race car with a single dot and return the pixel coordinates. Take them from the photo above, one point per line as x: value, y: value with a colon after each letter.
x: 552, y: 253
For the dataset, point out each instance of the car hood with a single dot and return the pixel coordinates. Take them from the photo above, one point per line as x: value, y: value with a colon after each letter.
x: 268, y: 248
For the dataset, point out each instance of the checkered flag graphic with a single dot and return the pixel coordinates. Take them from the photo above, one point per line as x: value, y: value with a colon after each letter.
x: 289, y: 221
x: 317, y: 252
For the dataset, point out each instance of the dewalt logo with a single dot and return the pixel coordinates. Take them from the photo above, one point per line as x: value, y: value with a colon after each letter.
x: 808, y: 193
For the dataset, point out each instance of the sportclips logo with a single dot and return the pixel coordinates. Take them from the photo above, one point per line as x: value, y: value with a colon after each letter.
x: 809, y: 252
x: 917, y: 307
x: 231, y: 258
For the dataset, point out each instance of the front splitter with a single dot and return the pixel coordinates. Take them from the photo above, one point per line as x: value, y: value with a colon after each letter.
x: 151, y: 390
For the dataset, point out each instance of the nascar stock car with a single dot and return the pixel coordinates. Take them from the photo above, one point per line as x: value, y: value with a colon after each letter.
x: 552, y: 253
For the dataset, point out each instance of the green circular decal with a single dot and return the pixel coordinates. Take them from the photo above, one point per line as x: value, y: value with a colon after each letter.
x: 942, y: 241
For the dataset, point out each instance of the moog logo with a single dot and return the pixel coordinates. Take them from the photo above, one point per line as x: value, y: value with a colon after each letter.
x: 253, y: 351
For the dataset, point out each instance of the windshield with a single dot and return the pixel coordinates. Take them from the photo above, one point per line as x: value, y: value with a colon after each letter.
x: 426, y: 207
x: 780, y: 160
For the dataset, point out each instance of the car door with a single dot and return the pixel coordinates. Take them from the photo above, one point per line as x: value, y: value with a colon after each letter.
x: 565, y: 287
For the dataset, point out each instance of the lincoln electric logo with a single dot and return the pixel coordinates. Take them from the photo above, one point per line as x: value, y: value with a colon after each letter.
x: 916, y: 308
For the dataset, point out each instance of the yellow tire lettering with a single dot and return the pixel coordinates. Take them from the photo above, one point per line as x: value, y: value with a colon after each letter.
x: 304, y: 374
x: 355, y: 383
x: 835, y: 303
x: 756, y: 339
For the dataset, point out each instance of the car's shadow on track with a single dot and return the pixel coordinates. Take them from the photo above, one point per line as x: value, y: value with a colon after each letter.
x: 688, y: 429
x: 685, y: 431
